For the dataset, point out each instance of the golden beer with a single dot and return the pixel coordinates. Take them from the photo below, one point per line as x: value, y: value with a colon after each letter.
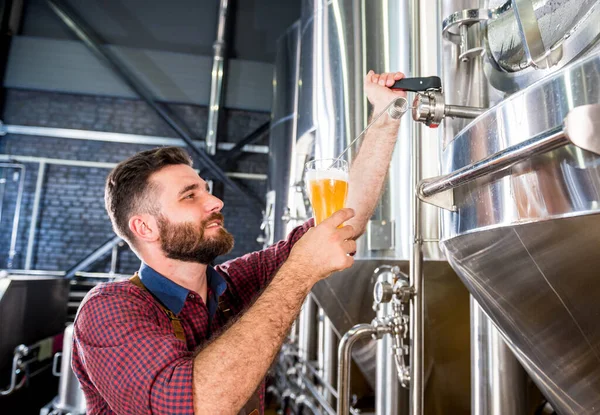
x: 327, y: 190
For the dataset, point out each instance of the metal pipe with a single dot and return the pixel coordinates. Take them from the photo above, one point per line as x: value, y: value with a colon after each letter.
x: 479, y: 358
x: 498, y: 382
x: 114, y: 257
x: 508, y: 380
x: 247, y: 176
x: 309, y: 384
x: 293, y: 335
x: 35, y: 213
x: 499, y: 161
x: 62, y: 162
x: 20, y: 352
x: 12, y: 250
x: 416, y: 310
x: 79, y: 134
x: 103, y: 165
x: 461, y: 111
x: 320, y: 399
x: 217, y: 80
x: 93, y: 256
x: 329, y: 357
x: 326, y: 353
x: 356, y: 333
x: 36, y: 272
x: 417, y: 358
x: 91, y: 40
x: 390, y: 398
x: 236, y: 150
x: 307, y: 336
x: 307, y: 403
x: 313, y: 370
x: 2, y: 190
x: 321, y: 316
x: 98, y: 275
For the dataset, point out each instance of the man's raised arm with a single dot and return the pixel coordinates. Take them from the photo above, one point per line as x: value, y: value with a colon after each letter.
x: 369, y: 169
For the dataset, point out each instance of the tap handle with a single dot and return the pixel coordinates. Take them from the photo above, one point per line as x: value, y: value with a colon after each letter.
x: 419, y: 84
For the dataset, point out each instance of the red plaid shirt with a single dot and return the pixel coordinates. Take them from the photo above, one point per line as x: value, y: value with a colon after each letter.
x: 125, y: 353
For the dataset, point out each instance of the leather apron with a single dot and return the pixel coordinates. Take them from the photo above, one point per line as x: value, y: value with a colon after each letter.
x: 252, y: 407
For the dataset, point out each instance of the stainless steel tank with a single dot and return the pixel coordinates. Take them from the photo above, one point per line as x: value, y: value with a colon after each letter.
x: 282, y: 135
x: 498, y: 383
x: 535, y: 276
x: 340, y: 41
x: 524, y: 240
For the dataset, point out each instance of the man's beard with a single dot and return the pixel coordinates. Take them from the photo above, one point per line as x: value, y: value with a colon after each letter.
x: 186, y: 241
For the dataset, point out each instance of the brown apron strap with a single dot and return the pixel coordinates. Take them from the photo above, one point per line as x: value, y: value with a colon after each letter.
x: 227, y: 313
x: 175, y: 322
x: 252, y: 407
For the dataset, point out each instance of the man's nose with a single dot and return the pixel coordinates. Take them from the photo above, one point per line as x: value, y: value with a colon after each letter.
x: 213, y: 204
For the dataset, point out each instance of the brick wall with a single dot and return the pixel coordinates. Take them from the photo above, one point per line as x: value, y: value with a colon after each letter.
x: 72, y: 219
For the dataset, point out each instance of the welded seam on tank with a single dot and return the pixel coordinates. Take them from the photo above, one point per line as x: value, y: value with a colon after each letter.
x: 492, y: 298
x: 559, y: 297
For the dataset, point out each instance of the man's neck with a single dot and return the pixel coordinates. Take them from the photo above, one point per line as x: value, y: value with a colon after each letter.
x: 189, y: 275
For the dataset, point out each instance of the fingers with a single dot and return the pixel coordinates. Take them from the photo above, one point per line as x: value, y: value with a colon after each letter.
x: 388, y: 79
x: 349, y: 246
x: 385, y: 79
x: 339, y: 217
x: 369, y: 76
x: 347, y: 232
x: 375, y: 78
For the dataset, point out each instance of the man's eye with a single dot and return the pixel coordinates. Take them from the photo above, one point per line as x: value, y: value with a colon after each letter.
x: 190, y: 196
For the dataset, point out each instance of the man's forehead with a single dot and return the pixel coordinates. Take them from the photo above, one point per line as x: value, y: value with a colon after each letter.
x: 173, y: 178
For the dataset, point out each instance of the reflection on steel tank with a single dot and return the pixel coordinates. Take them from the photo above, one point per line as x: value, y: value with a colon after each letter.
x: 520, y: 223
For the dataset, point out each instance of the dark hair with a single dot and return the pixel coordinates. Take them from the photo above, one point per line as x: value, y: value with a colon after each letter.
x: 128, y: 189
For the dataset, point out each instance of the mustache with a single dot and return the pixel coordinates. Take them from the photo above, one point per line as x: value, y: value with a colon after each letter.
x: 214, y: 216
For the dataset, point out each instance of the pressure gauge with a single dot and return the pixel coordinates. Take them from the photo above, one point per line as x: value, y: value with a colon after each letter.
x: 383, y: 292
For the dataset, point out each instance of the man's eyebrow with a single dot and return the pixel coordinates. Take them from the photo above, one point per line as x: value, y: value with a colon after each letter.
x: 188, y: 188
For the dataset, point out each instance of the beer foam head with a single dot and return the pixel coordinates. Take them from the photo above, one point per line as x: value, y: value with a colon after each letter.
x: 332, y: 174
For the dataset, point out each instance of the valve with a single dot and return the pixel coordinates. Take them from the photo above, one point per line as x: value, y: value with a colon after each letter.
x: 429, y: 106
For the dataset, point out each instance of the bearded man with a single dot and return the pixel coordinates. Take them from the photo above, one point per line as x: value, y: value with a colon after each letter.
x: 182, y: 337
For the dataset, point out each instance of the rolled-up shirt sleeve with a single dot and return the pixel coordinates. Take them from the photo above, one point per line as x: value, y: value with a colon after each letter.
x: 136, y: 364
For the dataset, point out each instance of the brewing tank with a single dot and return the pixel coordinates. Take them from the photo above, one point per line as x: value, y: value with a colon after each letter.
x: 524, y: 240
x: 282, y: 136
x: 340, y: 41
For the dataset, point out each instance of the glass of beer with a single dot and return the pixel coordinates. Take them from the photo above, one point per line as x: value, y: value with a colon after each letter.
x: 327, y: 185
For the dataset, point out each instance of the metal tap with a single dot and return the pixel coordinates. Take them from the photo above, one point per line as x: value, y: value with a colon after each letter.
x: 429, y: 106
x: 385, y: 292
x: 398, y: 292
x: 391, y: 287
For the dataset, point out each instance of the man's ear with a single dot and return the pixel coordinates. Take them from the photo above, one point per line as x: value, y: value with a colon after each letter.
x: 144, y: 227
